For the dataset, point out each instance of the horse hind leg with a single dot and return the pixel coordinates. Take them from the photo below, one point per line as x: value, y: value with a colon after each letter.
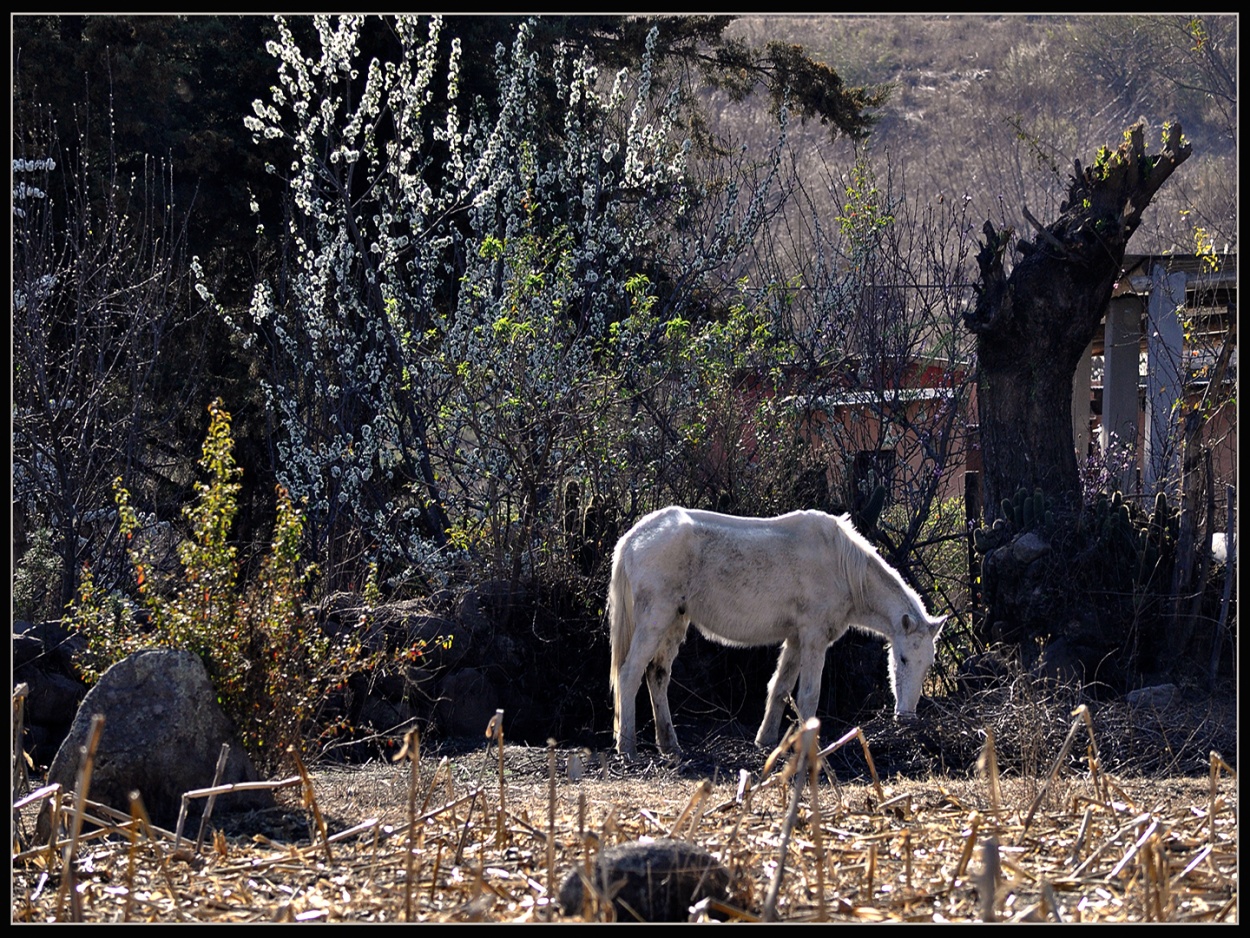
x: 647, y: 641
x: 779, y: 688
x: 659, y: 673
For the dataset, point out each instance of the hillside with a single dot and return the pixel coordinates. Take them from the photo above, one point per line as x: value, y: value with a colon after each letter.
x: 997, y: 107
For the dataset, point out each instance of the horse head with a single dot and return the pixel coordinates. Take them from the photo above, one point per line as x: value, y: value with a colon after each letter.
x: 911, y: 655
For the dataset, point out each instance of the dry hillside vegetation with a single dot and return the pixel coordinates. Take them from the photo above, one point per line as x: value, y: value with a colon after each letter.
x: 487, y: 832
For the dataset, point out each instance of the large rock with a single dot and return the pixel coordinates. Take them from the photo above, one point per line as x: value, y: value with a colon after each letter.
x: 43, y: 656
x: 162, y: 736
x: 469, y: 699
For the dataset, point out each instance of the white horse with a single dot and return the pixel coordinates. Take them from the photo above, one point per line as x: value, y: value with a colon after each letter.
x: 800, y: 579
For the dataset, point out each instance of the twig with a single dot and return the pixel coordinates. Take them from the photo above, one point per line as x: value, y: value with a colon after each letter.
x: 1043, y: 232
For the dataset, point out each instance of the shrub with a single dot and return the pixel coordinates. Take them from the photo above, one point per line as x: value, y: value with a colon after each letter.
x: 273, y: 669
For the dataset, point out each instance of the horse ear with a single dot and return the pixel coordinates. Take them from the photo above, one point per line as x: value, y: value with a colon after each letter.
x: 908, y: 623
x: 935, y: 625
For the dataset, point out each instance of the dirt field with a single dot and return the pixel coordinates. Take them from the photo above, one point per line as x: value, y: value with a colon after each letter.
x: 475, y: 832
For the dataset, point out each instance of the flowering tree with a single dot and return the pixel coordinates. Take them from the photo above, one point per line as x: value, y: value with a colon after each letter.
x: 439, y: 341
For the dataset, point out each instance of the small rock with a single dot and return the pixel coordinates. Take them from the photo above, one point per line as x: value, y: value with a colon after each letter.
x: 655, y: 881
x: 1029, y: 547
x: 1158, y: 697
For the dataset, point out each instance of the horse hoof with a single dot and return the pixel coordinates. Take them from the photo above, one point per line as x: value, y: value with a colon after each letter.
x: 905, y: 717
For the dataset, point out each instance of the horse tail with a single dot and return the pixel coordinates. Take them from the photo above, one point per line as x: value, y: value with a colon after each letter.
x: 621, y: 628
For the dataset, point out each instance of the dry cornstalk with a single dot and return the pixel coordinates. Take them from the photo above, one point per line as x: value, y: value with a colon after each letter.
x: 68, y: 884
x: 987, y: 882
x: 810, y: 738
x: 135, y: 812
x: 410, y: 750
x: 552, y: 885
x: 1077, y: 844
x: 970, y: 842
x: 1082, y: 718
x: 691, y: 810
x: 1107, y: 844
x: 801, y: 742
x: 310, y: 800
x: 494, y: 730
x: 1217, y: 763
x: 988, y: 765
x: 218, y: 770
x: 19, y: 774
x: 858, y: 733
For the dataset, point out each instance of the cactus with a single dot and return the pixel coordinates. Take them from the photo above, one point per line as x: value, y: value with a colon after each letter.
x: 1020, y: 513
x: 1026, y: 510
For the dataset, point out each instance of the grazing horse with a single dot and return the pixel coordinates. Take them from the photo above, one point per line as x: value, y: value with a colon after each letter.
x: 799, y: 579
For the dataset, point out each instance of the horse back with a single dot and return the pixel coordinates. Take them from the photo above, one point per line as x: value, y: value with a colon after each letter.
x: 739, y: 580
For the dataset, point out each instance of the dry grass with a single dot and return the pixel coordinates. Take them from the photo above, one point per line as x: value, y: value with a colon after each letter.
x: 488, y: 835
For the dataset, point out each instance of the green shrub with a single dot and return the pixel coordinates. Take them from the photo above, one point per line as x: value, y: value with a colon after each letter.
x: 273, y: 669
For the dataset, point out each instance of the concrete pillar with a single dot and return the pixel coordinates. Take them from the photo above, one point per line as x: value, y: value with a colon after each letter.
x: 1121, y: 403
x: 1164, y: 381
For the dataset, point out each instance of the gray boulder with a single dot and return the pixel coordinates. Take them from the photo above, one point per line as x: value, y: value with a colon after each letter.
x: 162, y: 736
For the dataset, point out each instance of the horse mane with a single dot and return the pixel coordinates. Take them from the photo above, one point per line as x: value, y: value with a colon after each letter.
x: 858, y: 565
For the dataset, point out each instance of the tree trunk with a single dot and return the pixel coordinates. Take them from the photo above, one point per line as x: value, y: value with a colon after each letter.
x: 1033, y: 325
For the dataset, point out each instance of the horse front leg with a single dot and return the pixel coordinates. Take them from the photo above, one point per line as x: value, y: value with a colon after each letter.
x: 811, y: 665
x: 778, y: 689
